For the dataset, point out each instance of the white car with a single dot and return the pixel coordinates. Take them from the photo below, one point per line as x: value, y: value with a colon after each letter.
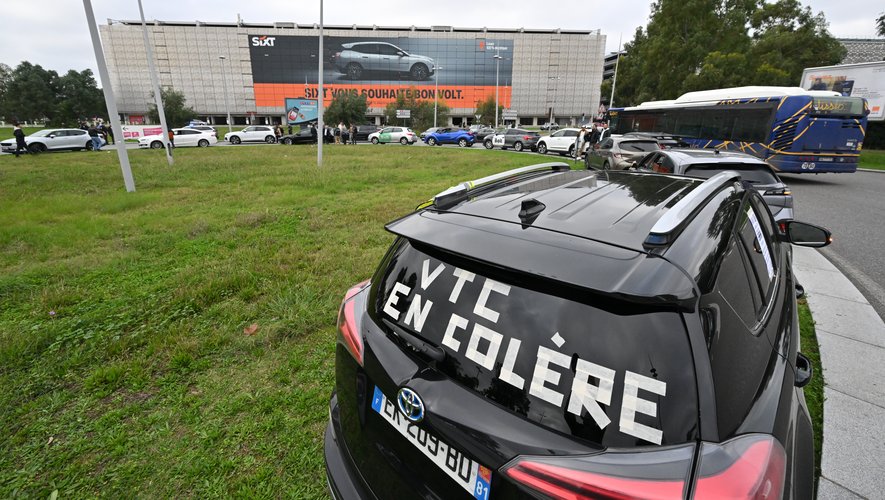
x: 204, y: 128
x: 253, y: 133
x: 401, y: 135
x: 561, y: 141
x: 53, y: 139
x: 183, y: 137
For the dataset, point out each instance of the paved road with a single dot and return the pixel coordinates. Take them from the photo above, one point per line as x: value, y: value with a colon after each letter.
x: 852, y: 206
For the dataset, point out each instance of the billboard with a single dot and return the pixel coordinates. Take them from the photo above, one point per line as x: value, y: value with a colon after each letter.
x: 865, y: 80
x: 461, y: 71
x: 300, y: 111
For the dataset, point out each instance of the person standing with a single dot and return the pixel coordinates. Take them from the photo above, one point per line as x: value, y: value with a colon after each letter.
x: 278, y: 132
x: 20, y: 143
x: 95, y: 137
x: 352, y: 133
x: 290, y: 129
x: 109, y: 133
x: 172, y: 138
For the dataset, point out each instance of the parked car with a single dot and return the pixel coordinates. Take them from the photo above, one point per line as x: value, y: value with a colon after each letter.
x: 184, y: 137
x: 619, y: 152
x: 667, y: 141
x: 253, y: 133
x: 204, y: 128
x: 549, y: 333
x: 428, y: 132
x: 363, y: 131
x: 359, y: 58
x: 561, y: 141
x: 550, y: 126
x: 480, y: 133
x: 457, y: 136
x: 303, y: 136
x: 515, y: 138
x: 706, y: 163
x: 53, y: 139
x: 402, y: 135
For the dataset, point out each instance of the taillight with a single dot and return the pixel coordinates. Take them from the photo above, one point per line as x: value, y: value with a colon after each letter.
x: 747, y: 467
x: 348, y: 327
x: 527, y: 137
x: 657, y: 473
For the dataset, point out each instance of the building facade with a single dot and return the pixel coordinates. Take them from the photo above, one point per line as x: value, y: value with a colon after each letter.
x: 251, y: 70
x: 863, y: 50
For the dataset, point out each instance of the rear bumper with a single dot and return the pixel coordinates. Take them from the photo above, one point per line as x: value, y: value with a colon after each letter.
x: 344, y: 481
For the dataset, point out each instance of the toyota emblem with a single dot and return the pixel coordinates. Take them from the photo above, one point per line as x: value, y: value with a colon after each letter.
x: 410, y: 404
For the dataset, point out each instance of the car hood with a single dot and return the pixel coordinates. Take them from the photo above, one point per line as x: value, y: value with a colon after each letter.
x: 8, y: 141
x: 421, y: 58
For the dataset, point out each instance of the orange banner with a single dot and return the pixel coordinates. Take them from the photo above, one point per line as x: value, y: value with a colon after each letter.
x: 379, y: 96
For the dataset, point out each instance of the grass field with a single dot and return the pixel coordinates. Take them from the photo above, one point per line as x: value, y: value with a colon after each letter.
x: 125, y: 369
x: 871, y: 158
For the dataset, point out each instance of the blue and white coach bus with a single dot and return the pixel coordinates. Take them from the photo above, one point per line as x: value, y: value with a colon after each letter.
x: 795, y: 130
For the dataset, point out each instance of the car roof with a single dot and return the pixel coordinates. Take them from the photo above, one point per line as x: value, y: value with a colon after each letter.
x: 689, y: 156
x: 602, y: 218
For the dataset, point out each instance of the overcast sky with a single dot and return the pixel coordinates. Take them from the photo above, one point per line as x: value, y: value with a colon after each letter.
x: 53, y: 33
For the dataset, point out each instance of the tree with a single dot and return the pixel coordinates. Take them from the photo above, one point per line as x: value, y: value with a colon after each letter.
x: 348, y: 108
x: 421, y: 111
x: 79, y: 99
x: 703, y: 44
x: 486, y: 110
x: 30, y: 93
x: 5, y: 77
x: 880, y: 25
x: 177, y: 114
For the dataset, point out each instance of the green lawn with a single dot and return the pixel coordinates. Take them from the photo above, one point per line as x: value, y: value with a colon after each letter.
x: 871, y: 158
x: 814, y: 391
x: 124, y: 366
x: 6, y: 132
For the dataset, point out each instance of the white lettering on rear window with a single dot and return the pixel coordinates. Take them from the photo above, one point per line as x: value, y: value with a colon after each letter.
x: 544, y: 374
x: 449, y: 338
x: 389, y: 310
x: 486, y: 359
x: 417, y: 314
x: 763, y: 245
x: 507, y: 374
x: 462, y: 276
x: 426, y: 277
x: 488, y: 287
x: 587, y: 395
x: 632, y: 404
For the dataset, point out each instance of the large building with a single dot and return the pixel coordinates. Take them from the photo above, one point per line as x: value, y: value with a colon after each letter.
x: 262, y: 73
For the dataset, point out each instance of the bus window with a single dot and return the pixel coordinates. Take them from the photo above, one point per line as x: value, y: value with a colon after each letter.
x: 751, y: 125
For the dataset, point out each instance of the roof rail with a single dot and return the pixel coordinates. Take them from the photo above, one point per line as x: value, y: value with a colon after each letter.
x: 666, y: 228
x: 458, y: 193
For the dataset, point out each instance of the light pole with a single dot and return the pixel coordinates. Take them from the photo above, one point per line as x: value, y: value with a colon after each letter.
x: 320, y: 131
x: 155, y: 84
x: 436, y: 94
x: 497, y: 64
x: 224, y: 85
x: 553, y: 104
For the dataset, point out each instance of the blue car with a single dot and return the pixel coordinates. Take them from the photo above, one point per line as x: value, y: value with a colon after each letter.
x: 458, y: 136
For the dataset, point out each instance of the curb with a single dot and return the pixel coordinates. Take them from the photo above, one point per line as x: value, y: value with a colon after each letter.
x: 851, y: 336
x: 871, y: 170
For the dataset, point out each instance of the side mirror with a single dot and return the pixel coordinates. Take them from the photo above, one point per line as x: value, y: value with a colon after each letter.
x: 52, y: 136
x: 807, y: 235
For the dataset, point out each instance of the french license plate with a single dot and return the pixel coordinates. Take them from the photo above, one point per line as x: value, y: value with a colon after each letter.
x: 470, y: 475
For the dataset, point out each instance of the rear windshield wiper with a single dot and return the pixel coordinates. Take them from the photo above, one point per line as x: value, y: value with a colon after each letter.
x: 433, y: 352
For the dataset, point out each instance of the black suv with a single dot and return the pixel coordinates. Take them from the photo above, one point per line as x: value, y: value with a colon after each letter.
x: 548, y: 333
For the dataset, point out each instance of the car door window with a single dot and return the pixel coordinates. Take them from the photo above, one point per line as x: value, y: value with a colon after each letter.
x: 606, y: 144
x: 558, y: 134
x: 755, y: 233
x: 570, y: 133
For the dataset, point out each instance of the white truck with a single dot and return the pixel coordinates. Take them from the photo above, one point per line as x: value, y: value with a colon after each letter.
x: 865, y: 80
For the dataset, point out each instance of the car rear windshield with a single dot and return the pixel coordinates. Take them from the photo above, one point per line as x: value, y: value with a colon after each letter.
x: 754, y: 174
x: 639, y: 146
x: 612, y: 373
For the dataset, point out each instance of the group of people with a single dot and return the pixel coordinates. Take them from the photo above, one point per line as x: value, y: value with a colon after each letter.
x: 588, y: 137
x: 98, y: 132
x: 342, y: 134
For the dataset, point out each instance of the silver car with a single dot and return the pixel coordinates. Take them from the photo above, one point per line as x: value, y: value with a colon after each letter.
x: 53, y: 139
x: 619, y: 152
x: 357, y: 58
x: 706, y: 163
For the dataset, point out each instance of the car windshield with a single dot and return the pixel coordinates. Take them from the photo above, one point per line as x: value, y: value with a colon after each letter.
x: 752, y: 173
x: 640, y: 146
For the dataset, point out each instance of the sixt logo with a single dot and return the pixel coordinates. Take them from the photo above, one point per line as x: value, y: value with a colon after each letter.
x: 263, y: 41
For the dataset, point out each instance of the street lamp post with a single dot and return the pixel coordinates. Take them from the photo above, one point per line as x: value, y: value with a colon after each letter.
x: 320, y: 134
x: 497, y: 64
x: 155, y: 84
x: 553, y: 104
x: 224, y: 85
x: 436, y: 94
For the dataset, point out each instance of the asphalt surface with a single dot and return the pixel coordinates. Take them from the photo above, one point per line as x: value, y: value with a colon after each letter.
x: 852, y: 206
